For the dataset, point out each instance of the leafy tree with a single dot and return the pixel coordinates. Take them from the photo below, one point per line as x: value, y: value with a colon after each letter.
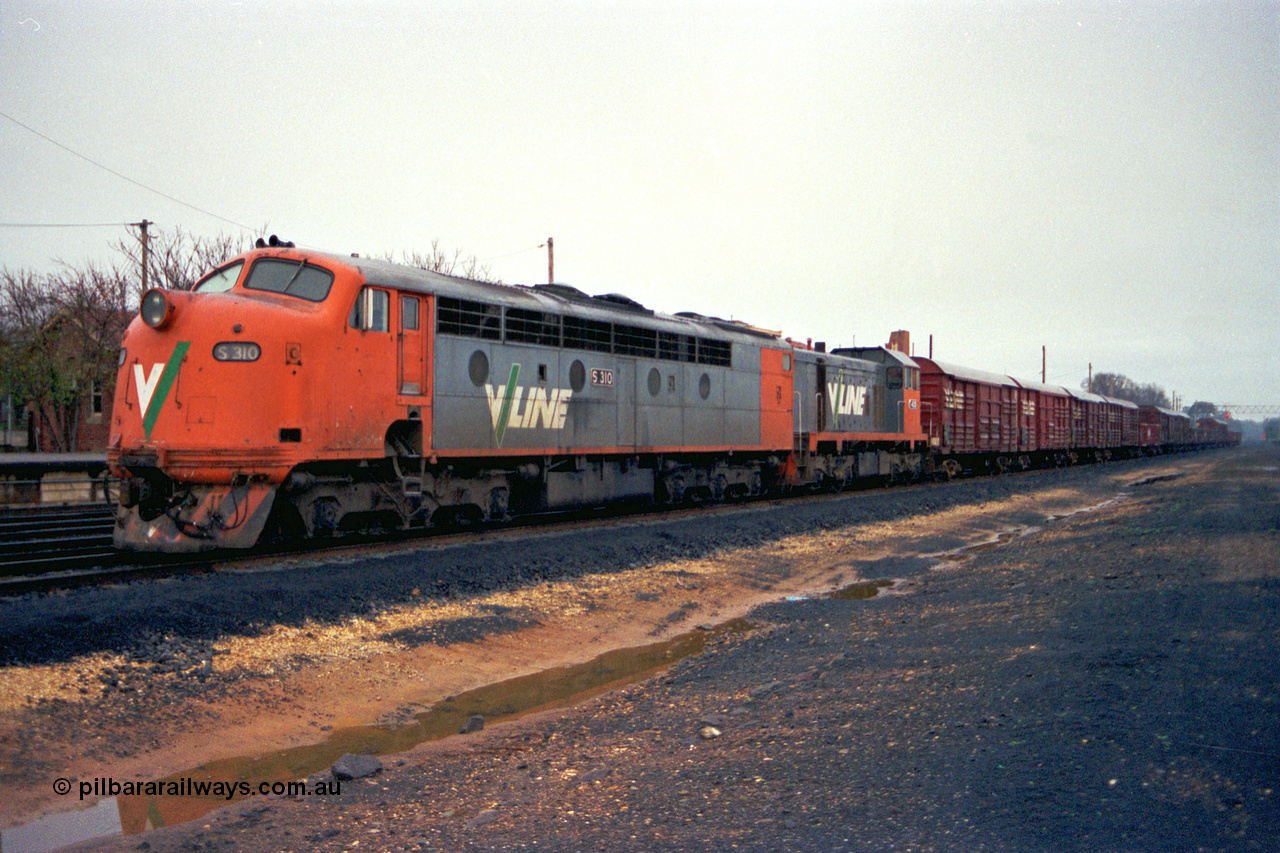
x: 1201, y: 409
x: 61, y: 335
x: 1271, y: 429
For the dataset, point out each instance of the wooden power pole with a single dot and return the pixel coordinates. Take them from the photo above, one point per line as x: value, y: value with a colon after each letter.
x: 146, y: 257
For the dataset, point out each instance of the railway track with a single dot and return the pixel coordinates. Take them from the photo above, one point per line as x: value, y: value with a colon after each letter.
x: 44, y: 549
x: 45, y: 539
x: 50, y: 549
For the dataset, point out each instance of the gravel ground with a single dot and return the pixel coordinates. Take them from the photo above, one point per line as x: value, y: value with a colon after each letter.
x: 1104, y: 681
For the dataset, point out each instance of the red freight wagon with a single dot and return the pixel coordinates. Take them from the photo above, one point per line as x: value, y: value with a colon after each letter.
x: 967, y: 412
x: 1210, y: 432
x: 1047, y: 412
x: 1150, y: 427
x: 1164, y: 428
x: 1122, y: 423
x: 1180, y: 432
x: 1087, y: 412
x: 1216, y: 432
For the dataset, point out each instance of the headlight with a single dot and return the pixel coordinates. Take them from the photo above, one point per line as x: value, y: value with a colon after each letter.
x: 156, y: 309
x: 236, y: 351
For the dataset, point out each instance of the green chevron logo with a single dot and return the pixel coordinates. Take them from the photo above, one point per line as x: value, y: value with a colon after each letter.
x: 153, y: 388
x: 502, y: 416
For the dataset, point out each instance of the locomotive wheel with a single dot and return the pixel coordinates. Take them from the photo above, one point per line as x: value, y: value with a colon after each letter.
x: 284, y: 526
x: 462, y: 517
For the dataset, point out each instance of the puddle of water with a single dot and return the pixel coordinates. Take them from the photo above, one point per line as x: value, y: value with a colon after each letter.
x: 949, y: 560
x: 1157, y: 478
x: 1108, y: 502
x: 130, y: 814
x: 58, y: 830
x: 862, y: 590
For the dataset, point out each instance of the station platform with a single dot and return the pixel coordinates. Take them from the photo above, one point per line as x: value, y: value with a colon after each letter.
x: 52, y: 478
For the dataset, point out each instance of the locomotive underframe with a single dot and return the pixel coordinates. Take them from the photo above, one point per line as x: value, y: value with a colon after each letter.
x: 329, y: 499
x: 840, y: 464
x: 406, y: 492
x: 157, y: 513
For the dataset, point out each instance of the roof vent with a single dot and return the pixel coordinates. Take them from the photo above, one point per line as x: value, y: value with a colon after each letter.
x: 620, y: 301
x: 562, y: 290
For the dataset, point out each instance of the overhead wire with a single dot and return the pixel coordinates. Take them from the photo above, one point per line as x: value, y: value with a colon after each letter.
x: 122, y: 177
x: 512, y: 254
x: 65, y: 224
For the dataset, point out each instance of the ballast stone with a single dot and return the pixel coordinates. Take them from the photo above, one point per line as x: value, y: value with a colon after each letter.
x: 355, y: 767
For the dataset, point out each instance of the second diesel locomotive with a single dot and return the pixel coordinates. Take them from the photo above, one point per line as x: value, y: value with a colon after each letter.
x: 299, y: 394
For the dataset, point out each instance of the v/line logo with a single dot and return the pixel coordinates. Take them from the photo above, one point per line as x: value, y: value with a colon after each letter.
x: 510, y: 408
x: 153, y: 388
x: 846, y: 399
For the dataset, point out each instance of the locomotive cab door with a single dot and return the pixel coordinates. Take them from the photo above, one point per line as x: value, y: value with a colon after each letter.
x: 411, y: 355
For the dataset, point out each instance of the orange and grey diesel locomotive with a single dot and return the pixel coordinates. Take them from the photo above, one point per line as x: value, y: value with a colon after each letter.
x: 298, y: 394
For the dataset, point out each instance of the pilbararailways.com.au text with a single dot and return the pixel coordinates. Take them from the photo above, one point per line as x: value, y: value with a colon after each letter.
x: 188, y: 787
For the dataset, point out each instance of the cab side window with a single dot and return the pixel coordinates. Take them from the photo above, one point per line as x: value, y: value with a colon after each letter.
x: 369, y: 314
x: 409, y: 313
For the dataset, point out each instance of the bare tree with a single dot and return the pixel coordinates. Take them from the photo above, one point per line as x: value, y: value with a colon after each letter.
x: 178, y: 258
x: 439, y: 260
x: 1122, y: 387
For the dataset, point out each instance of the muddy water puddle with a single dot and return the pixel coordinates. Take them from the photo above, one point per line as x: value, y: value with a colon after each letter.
x: 862, y: 590
x: 956, y: 557
x: 130, y: 807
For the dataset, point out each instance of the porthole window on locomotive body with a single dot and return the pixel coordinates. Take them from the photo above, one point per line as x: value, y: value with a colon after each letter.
x: 478, y: 368
x: 704, y: 386
x: 655, y: 382
x: 577, y: 376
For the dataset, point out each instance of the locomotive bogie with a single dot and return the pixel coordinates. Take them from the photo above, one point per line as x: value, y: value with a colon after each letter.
x: 198, y: 518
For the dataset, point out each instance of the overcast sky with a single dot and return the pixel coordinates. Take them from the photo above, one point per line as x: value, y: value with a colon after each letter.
x: 1101, y: 178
